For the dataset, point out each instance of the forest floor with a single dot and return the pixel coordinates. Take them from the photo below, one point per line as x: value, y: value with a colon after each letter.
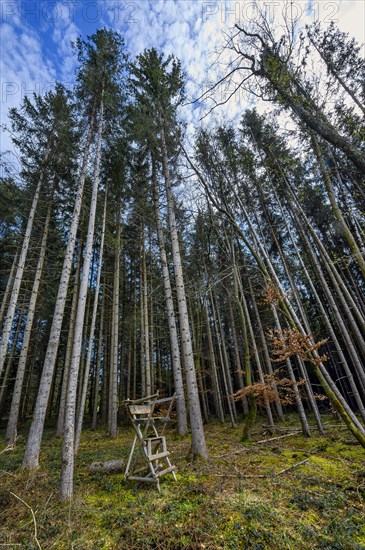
x: 239, y: 498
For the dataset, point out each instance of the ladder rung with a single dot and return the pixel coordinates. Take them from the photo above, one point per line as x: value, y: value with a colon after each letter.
x: 158, y: 456
x: 138, y: 478
x: 156, y: 438
x: 167, y: 471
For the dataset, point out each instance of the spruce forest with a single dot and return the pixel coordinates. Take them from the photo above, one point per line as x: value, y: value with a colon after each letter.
x: 224, y: 264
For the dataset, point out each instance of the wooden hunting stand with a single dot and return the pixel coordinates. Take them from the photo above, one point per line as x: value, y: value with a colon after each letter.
x: 152, y: 445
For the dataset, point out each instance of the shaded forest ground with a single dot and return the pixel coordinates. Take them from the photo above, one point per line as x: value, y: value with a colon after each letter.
x: 236, y: 500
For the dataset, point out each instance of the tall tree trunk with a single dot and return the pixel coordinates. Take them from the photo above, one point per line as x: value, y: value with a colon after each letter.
x: 257, y: 357
x: 70, y: 337
x: 145, y: 320
x: 31, y: 456
x: 67, y: 466
x: 98, y: 362
x: 113, y: 379
x: 197, y: 330
x: 251, y: 416
x: 335, y: 208
x: 198, y: 445
x: 217, y: 397
x: 270, y: 275
x: 237, y: 358
x: 347, y: 302
x: 20, y: 267
x: 298, y: 401
x: 265, y: 351
x: 295, y: 97
x: 227, y: 380
x: 344, y: 332
x: 8, y: 289
x: 15, y: 404
x: 9, y: 364
x: 142, y: 329
x: 92, y: 331
x: 335, y: 73
x: 174, y: 341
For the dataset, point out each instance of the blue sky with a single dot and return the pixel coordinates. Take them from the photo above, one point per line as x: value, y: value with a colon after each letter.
x: 36, y: 38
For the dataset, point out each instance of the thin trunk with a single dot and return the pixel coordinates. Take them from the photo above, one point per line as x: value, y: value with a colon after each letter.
x: 295, y: 97
x: 10, y: 360
x: 129, y: 363
x: 237, y: 358
x: 265, y: 351
x: 217, y: 398
x: 251, y: 416
x: 15, y: 404
x: 348, y: 304
x: 98, y: 363
x: 67, y: 466
x: 294, y: 289
x: 142, y: 327
x: 227, y: 381
x: 134, y: 351
x: 335, y: 208
x: 197, y: 328
x: 20, y: 268
x: 317, y: 365
x: 84, y: 338
x: 334, y: 73
x: 31, y: 456
x: 91, y: 336
x: 8, y: 289
x: 106, y: 354
x: 182, y: 426
x: 146, y: 325
x: 113, y: 379
x: 152, y: 326
x: 338, y: 317
x: 344, y: 333
x: 198, y: 445
x: 310, y: 393
x: 70, y: 337
x: 257, y: 359
x: 298, y: 401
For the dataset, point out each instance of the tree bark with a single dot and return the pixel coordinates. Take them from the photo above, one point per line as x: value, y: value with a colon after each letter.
x: 335, y: 208
x: 198, y: 445
x: 182, y: 426
x: 70, y: 337
x: 8, y: 289
x: 31, y: 456
x: 11, y: 430
x: 91, y: 336
x: 113, y: 379
x: 67, y: 467
x: 20, y: 267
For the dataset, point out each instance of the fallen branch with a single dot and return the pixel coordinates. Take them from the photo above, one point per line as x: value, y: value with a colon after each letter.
x: 292, y: 467
x: 276, y: 438
x: 242, y: 475
x: 8, y: 448
x: 110, y: 467
x: 33, y: 516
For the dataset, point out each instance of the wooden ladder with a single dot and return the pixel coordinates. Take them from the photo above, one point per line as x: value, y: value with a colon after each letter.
x: 152, y: 445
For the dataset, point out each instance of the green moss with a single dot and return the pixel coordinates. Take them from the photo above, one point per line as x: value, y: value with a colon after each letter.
x: 330, y: 467
x: 317, y: 505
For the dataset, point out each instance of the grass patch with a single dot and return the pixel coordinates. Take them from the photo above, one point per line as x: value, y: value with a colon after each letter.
x: 221, y: 504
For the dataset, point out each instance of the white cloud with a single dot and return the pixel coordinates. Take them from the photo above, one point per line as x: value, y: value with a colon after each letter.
x: 65, y: 32
x: 192, y: 30
x: 23, y: 68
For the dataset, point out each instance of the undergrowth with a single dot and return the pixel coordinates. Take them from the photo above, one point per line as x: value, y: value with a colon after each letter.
x: 233, y: 501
